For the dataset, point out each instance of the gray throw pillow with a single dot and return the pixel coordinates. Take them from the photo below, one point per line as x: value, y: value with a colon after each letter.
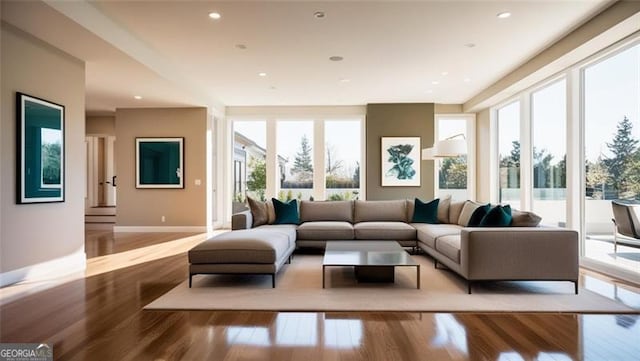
x: 259, y: 212
x: 524, y: 219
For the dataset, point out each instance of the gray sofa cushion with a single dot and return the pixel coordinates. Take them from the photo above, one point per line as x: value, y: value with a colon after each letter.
x: 384, y: 230
x: 243, y: 246
x: 325, y: 231
x: 287, y: 229
x: 450, y: 247
x: 428, y: 233
x: 524, y: 219
x: 380, y: 211
x: 455, y: 208
x: 311, y: 211
x: 443, y: 209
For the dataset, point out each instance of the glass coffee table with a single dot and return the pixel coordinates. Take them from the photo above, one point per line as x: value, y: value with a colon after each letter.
x: 373, y: 261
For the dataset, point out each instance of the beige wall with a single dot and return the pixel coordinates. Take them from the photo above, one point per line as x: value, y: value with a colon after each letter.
x: 145, y: 207
x: 483, y: 156
x: 398, y: 120
x: 35, y: 233
x: 448, y: 108
x: 101, y: 125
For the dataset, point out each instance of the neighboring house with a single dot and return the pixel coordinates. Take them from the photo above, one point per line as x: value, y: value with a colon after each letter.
x: 243, y: 150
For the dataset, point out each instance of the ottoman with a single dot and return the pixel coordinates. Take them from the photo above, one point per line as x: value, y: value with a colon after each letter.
x: 254, y: 251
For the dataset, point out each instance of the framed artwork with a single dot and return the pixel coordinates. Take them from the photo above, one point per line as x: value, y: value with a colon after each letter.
x: 40, y: 150
x: 159, y: 162
x: 400, y: 161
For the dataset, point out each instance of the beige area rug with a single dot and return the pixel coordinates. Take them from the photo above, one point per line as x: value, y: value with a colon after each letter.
x: 299, y: 288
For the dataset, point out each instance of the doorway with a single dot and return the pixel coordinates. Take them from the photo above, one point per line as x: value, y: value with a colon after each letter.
x: 100, y: 195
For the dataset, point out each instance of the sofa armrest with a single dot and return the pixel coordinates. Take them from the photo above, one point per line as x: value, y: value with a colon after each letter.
x: 523, y: 253
x: 242, y: 220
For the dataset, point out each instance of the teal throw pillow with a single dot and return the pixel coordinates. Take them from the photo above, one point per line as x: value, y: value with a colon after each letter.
x: 286, y: 212
x: 478, y: 215
x: 425, y: 212
x: 498, y: 216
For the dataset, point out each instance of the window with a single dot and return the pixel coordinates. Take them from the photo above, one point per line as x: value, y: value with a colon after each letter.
x: 294, y: 146
x: 343, y: 154
x: 549, y: 124
x: 249, y: 160
x: 612, y: 155
x: 452, y: 173
x: 509, y: 154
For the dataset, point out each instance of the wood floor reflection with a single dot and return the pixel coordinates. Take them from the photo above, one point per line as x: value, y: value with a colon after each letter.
x: 101, y: 318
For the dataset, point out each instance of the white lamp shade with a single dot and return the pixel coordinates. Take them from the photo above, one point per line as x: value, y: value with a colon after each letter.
x: 450, y: 148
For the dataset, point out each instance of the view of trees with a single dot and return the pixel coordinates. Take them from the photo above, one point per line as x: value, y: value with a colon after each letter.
x: 453, y: 173
x: 302, y: 168
x: 257, y: 179
x: 618, y: 176
x: 51, y: 170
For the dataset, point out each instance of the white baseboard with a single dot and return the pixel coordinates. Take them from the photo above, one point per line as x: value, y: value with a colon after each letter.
x: 75, y: 262
x: 117, y: 229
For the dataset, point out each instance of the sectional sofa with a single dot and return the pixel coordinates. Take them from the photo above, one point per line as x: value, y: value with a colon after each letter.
x: 523, y: 251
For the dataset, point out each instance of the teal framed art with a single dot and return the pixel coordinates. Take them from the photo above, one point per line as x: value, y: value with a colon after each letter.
x: 159, y: 162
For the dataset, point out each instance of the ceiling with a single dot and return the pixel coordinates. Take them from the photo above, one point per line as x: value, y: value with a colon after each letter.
x: 172, y: 54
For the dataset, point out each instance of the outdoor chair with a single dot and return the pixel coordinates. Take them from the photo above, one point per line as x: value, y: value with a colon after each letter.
x: 626, y: 225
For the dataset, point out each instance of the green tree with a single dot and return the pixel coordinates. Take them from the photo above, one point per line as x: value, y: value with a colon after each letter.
x: 623, y: 147
x: 51, y: 163
x: 597, y: 177
x: 302, y: 165
x: 542, y: 171
x: 453, y: 173
x: 356, y: 175
x: 257, y: 179
x: 632, y: 176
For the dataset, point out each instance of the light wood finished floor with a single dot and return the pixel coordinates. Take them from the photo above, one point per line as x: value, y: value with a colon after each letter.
x: 100, y: 317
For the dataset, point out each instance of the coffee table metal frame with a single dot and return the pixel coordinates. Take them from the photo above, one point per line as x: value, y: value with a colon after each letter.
x: 367, y: 254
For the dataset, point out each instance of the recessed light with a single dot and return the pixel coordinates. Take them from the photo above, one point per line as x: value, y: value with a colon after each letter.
x: 466, y: 80
x: 345, y: 80
x: 137, y: 97
x: 470, y: 45
x: 435, y: 82
x: 319, y: 14
x: 336, y: 58
x: 445, y: 73
x: 503, y: 15
x: 429, y: 91
x: 262, y: 74
x: 241, y: 46
x: 214, y: 15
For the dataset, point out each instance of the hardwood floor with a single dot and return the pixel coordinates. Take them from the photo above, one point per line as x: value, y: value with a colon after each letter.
x: 100, y: 317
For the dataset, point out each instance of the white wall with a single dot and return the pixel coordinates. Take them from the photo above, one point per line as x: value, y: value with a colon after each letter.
x: 41, y: 239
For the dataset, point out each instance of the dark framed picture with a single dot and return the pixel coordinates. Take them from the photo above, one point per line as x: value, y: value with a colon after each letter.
x: 40, y: 150
x: 400, y: 161
x: 159, y: 162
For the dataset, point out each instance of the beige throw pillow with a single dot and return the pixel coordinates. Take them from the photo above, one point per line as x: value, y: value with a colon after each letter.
x: 467, y: 211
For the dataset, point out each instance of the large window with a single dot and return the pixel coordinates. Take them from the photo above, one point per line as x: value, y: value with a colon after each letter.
x: 249, y: 160
x: 452, y: 172
x: 612, y: 155
x: 294, y: 144
x: 509, y: 153
x: 306, y: 157
x: 549, y: 124
x: 343, y: 154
